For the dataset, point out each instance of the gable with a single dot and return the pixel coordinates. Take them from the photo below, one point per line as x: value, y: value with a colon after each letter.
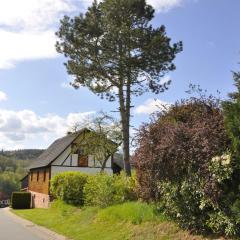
x: 61, y: 149
x: 55, y: 150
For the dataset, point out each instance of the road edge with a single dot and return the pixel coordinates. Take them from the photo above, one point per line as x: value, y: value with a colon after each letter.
x: 42, y: 232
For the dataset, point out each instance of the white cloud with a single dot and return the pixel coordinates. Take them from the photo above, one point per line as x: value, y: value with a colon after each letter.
x: 3, y: 96
x: 27, y: 29
x: 66, y: 85
x: 25, y: 45
x: 33, y: 14
x: 150, y: 106
x: 164, y: 5
x: 22, y: 128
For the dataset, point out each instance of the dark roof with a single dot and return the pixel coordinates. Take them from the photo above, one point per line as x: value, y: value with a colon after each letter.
x: 54, y: 150
x: 23, y: 178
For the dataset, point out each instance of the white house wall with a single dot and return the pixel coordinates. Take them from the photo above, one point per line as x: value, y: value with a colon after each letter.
x: 97, y: 163
x: 109, y: 162
x: 58, y: 169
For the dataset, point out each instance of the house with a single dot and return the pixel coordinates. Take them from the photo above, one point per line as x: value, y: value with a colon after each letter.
x: 65, y: 154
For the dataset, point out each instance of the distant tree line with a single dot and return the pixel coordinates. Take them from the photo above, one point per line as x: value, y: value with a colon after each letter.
x: 22, y: 154
x: 13, y: 166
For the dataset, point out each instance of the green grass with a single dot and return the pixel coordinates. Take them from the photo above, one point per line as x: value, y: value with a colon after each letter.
x: 133, y: 212
x: 133, y: 220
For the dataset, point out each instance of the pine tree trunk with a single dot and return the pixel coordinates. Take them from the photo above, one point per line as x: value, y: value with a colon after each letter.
x: 126, y: 152
x: 125, y: 121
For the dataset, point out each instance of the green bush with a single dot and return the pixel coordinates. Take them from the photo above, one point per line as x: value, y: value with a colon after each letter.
x: 21, y: 200
x: 68, y: 187
x: 104, y: 190
x: 185, y: 163
x: 187, y: 204
x: 183, y: 202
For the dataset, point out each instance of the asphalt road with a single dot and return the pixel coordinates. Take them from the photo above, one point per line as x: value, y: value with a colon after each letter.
x: 14, y: 228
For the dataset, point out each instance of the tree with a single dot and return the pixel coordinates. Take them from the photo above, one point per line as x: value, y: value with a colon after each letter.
x: 6, y: 164
x: 184, y: 163
x: 116, y: 52
x: 102, y: 140
x: 180, y: 143
x: 232, y: 118
x: 9, y: 182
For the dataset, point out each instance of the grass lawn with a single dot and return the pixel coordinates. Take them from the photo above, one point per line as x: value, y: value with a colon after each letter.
x: 135, y: 221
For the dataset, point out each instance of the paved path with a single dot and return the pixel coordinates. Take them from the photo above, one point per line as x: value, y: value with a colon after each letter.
x: 16, y: 228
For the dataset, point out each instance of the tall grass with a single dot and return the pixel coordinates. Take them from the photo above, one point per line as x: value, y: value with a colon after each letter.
x: 134, y: 212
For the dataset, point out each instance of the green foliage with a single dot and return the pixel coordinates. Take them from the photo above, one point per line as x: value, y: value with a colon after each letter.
x: 119, y: 32
x: 110, y: 190
x: 21, y: 200
x: 23, y: 154
x: 9, y: 182
x: 7, y: 164
x: 125, y: 187
x: 232, y: 118
x: 11, y: 171
x: 220, y: 222
x: 185, y: 163
x: 68, y: 187
x: 102, y: 138
x: 221, y: 167
x: 184, y: 202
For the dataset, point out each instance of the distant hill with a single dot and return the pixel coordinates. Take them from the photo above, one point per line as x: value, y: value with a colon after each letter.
x: 23, y: 154
x: 13, y: 166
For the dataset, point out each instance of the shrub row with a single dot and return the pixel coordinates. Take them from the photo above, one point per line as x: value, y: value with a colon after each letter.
x: 184, y: 164
x: 93, y: 190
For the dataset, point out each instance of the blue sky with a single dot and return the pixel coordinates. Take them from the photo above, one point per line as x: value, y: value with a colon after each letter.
x: 36, y: 103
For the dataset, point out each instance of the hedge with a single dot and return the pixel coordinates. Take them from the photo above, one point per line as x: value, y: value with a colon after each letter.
x: 21, y: 200
x: 104, y: 190
x: 68, y: 187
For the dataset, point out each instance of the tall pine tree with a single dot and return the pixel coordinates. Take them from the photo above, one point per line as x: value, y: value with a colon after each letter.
x: 115, y: 51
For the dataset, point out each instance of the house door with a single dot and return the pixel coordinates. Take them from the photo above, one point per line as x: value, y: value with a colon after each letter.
x: 82, y: 161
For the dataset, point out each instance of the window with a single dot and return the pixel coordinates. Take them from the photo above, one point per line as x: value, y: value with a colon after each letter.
x: 37, y: 176
x: 82, y: 159
x: 44, y: 175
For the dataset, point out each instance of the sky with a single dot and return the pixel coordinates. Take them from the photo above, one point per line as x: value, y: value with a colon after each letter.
x: 37, y: 105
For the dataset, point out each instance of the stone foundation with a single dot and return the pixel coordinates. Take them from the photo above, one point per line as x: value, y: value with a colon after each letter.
x: 40, y: 200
